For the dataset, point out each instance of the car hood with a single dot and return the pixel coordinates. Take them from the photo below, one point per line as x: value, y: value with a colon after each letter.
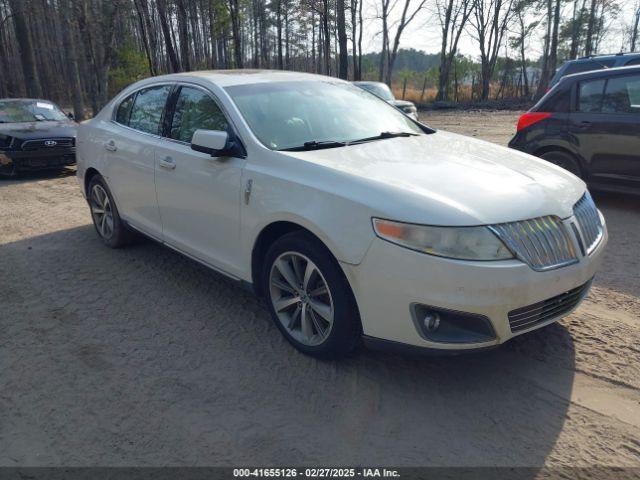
x: 25, y: 131
x: 448, y: 179
x: 402, y: 103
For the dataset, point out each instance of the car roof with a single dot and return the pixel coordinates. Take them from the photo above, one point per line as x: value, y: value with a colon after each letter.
x: 605, y: 72
x: 608, y: 56
x: 227, y: 78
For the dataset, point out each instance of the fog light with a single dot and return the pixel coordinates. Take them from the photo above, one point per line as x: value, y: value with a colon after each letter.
x: 431, y: 321
x: 5, y: 161
x: 449, y: 326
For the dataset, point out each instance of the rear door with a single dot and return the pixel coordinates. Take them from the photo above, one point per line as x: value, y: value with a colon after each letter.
x: 606, y: 124
x: 130, y: 147
x: 199, y: 195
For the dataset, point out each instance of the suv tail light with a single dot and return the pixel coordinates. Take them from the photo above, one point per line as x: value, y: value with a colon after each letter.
x: 530, y: 118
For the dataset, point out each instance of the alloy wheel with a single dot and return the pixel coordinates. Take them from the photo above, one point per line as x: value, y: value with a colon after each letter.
x: 301, y: 298
x: 101, y: 211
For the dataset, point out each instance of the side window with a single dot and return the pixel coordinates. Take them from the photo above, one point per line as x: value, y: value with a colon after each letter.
x: 622, y: 95
x: 146, y: 114
x: 558, y: 102
x: 590, y: 95
x: 195, y: 110
x: 124, y: 110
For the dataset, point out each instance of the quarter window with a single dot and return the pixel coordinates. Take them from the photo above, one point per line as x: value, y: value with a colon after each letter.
x: 559, y: 102
x: 146, y: 114
x: 124, y: 110
x: 622, y: 95
x: 195, y: 110
x: 590, y: 95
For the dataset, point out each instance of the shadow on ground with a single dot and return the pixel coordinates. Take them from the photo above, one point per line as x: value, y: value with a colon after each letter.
x: 621, y: 262
x: 141, y: 357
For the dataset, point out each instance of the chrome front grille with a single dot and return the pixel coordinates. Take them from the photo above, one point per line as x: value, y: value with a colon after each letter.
x: 48, y: 143
x: 542, y: 243
x: 531, y: 315
x: 588, y: 219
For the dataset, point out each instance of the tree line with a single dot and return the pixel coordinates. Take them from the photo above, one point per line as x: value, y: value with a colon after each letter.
x: 81, y: 52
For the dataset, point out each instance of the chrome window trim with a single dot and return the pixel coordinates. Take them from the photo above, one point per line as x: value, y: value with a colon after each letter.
x: 182, y: 83
x: 114, y: 111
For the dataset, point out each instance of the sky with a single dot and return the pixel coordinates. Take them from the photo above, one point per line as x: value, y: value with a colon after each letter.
x: 424, y: 32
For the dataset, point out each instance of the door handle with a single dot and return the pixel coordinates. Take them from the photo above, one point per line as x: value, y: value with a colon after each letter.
x: 585, y: 124
x: 111, y: 146
x: 168, y: 163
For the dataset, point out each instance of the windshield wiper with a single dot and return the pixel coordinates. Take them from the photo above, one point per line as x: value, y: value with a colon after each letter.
x: 382, y: 136
x: 315, y: 145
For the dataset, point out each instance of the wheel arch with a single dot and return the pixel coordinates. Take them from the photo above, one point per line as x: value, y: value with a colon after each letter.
x: 558, y: 148
x: 271, y: 233
x: 267, y: 236
x: 88, y: 175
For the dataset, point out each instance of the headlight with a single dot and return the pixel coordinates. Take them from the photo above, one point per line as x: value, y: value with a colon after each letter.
x: 464, y: 243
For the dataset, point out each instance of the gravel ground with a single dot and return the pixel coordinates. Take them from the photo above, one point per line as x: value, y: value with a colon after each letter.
x: 142, y: 357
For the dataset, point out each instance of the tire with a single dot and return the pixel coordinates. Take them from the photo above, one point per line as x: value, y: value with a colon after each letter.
x: 109, y: 226
x: 317, y: 315
x: 563, y: 160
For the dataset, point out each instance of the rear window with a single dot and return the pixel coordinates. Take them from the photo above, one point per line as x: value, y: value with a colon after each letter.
x: 146, y: 114
x: 622, y: 95
x: 590, y: 94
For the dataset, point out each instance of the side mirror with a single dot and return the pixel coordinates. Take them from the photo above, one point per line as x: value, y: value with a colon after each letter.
x: 70, y: 116
x: 216, y: 143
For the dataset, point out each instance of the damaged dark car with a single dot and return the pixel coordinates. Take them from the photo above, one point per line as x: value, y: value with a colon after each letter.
x: 35, y: 135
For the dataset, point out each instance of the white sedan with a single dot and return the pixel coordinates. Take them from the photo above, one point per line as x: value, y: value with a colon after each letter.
x: 352, y: 220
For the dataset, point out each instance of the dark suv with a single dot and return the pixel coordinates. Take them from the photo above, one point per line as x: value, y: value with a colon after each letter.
x: 595, y: 62
x: 589, y: 124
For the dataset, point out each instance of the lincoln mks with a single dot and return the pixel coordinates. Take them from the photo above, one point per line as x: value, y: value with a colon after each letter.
x: 352, y: 220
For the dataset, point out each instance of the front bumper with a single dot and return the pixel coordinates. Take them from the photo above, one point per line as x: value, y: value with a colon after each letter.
x: 37, y: 160
x: 390, y: 279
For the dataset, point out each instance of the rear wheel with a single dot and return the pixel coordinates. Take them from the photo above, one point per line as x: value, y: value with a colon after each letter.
x: 563, y: 160
x: 309, y: 297
x: 104, y: 213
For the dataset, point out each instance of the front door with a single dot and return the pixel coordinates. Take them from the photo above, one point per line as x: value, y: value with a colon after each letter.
x: 198, y: 195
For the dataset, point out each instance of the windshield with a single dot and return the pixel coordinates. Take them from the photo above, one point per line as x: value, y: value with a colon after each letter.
x: 22, y: 111
x: 289, y: 114
x: 379, y: 89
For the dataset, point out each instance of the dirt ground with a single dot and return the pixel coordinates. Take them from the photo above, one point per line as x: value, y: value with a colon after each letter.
x: 142, y: 357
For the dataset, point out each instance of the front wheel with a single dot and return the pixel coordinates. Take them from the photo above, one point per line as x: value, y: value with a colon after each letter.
x: 309, y: 297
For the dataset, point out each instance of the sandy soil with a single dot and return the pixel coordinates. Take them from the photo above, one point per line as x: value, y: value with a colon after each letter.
x: 142, y: 357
